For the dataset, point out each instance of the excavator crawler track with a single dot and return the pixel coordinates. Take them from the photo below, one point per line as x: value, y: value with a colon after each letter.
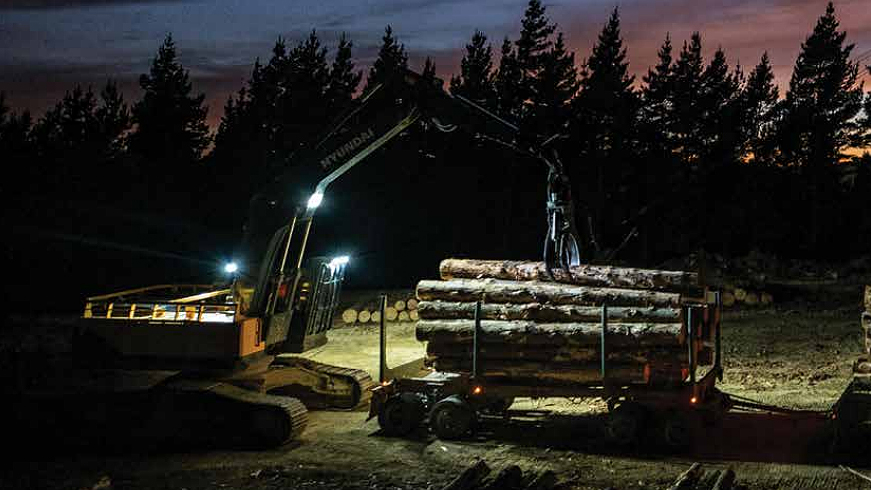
x: 220, y: 413
x: 319, y: 385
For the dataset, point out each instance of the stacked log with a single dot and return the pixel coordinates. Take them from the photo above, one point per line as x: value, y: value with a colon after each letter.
x: 402, y: 310
x: 735, y: 296
x: 536, y: 329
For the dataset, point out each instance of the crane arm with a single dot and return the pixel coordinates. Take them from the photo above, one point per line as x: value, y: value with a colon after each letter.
x: 375, y: 119
x: 390, y: 108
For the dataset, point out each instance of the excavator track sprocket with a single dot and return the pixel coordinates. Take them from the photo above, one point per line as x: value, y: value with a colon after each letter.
x: 319, y: 385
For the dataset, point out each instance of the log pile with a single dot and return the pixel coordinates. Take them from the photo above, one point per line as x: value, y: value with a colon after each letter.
x: 479, y: 476
x: 402, y: 310
x: 697, y: 478
x: 533, y: 329
x: 739, y: 296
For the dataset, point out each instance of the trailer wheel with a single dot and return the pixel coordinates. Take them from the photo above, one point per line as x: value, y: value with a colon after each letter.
x: 451, y: 418
x: 679, y: 428
x: 401, y: 414
x: 625, y: 422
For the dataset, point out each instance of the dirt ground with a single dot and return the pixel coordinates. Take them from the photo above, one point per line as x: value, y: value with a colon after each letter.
x: 789, y: 355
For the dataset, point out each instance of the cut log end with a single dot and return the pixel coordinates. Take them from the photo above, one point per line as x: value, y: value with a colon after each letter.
x: 349, y: 316
x: 390, y: 314
x: 364, y: 316
x: 399, y: 305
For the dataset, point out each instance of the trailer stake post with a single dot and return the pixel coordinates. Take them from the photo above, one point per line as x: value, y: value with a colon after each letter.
x: 475, y: 340
x: 382, y: 343
x: 602, y: 341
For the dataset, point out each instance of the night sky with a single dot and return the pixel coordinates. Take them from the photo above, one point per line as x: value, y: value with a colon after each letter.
x: 48, y: 46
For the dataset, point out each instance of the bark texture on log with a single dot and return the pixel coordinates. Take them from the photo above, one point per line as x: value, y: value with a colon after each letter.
x: 498, y: 291
x: 585, y: 275
x: 509, y: 478
x: 470, y: 478
x: 526, y: 332
x: 688, y: 478
x: 546, y: 480
x: 867, y: 298
x: 866, y: 326
x: 546, y: 312
x: 555, y: 353
x: 552, y: 373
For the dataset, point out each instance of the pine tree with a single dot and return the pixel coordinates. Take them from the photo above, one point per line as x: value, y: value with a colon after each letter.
x: 555, y: 88
x: 759, y: 97
x: 604, y: 132
x: 476, y: 78
x: 719, y: 114
x: 170, y: 123
x: 534, y: 50
x: 534, y: 41
x: 392, y: 61
x: 686, y: 102
x: 819, y: 119
x: 343, y: 79
x: 15, y: 135
x: 507, y: 82
x: 657, y: 109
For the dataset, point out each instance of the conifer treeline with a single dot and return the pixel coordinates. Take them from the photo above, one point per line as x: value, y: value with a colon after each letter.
x: 696, y: 154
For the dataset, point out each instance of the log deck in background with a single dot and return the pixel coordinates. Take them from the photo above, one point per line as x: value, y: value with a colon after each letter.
x: 526, y: 332
x: 585, y: 275
x: 500, y: 291
x: 451, y: 310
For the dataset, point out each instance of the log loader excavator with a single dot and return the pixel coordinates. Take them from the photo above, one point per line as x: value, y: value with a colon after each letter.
x: 230, y: 347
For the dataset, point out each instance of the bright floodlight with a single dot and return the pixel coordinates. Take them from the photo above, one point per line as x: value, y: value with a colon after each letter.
x: 231, y: 267
x: 315, y: 200
x: 340, y: 260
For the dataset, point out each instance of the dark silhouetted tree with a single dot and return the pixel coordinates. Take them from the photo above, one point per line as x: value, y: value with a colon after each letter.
x: 343, y: 78
x: 759, y: 97
x: 429, y: 70
x: 686, y: 101
x: 78, y: 137
x: 603, y: 131
x: 820, y: 120
x: 170, y: 122
x: 507, y: 83
x: 16, y: 150
x: 392, y: 60
x: 476, y: 78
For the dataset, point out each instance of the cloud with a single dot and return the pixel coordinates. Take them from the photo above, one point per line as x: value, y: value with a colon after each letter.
x: 46, y: 46
x: 63, y: 4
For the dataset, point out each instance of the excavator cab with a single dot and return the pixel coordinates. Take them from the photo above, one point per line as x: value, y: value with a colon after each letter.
x: 303, y: 322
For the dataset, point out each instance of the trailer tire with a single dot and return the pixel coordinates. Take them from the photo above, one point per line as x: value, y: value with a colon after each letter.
x: 451, y: 418
x: 625, y: 422
x: 401, y: 414
x: 679, y: 428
